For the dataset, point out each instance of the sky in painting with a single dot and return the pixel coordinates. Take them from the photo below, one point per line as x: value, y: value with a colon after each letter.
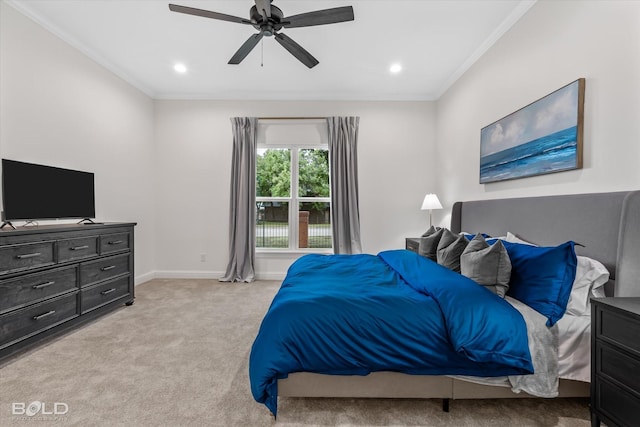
x: 554, y: 112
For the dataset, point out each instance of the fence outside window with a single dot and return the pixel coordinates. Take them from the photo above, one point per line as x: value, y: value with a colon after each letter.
x: 314, y: 225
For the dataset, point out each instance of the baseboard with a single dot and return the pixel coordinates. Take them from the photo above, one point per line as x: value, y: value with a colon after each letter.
x: 212, y: 275
x: 144, y: 278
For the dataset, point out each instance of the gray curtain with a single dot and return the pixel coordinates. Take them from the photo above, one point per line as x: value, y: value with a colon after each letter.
x: 343, y: 164
x: 242, y: 213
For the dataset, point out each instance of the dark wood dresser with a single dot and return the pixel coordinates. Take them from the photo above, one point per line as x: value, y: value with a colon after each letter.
x: 54, y: 277
x: 615, y: 361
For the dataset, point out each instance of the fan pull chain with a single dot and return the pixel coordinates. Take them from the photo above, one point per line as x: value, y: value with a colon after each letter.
x: 262, y: 53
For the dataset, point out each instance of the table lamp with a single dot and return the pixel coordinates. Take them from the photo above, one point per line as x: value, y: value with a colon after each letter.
x: 431, y: 202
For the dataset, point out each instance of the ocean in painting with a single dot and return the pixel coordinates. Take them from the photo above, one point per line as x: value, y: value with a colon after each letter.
x: 551, y: 153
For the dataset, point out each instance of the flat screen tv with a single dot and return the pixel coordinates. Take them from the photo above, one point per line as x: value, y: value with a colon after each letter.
x: 31, y: 192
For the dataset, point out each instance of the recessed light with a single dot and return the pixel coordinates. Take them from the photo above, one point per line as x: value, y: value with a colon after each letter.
x: 395, y: 68
x: 180, y: 68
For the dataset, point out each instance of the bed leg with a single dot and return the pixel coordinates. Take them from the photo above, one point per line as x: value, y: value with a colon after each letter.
x: 445, y: 405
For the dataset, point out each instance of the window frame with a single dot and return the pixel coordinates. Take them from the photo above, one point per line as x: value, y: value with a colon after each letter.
x: 294, y: 199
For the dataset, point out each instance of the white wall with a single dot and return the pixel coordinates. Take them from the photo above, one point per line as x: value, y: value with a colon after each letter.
x: 58, y: 107
x: 166, y: 164
x: 193, y: 141
x: 555, y: 43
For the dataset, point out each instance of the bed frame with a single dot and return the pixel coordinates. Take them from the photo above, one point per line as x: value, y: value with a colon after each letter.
x: 606, y: 225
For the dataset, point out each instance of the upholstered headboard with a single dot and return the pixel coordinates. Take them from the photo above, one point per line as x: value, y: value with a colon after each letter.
x: 607, y: 225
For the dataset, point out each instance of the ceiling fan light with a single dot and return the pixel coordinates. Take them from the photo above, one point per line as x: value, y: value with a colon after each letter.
x: 395, y: 68
x: 180, y: 68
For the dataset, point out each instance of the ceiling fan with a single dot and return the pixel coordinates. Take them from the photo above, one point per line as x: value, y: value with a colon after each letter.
x: 268, y: 20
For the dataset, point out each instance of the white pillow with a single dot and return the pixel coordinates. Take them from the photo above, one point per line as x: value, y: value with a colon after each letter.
x: 591, y: 276
x: 515, y: 239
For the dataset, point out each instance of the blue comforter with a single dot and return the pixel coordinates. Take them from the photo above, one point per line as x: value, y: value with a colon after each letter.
x: 397, y: 311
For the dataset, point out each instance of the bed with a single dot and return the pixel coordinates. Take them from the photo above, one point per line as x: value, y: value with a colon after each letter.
x: 605, y: 227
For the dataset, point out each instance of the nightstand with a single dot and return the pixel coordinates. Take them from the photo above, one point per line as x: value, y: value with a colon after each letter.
x: 615, y: 361
x: 412, y: 244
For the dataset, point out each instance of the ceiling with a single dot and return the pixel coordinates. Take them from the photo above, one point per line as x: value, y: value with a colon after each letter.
x: 141, y: 40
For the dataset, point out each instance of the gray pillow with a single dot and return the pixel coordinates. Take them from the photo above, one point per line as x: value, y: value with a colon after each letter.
x: 476, y: 243
x: 430, y: 231
x: 488, y: 265
x: 450, y: 248
x: 428, y: 246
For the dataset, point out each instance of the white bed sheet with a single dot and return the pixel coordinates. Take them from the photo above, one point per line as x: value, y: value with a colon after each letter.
x: 574, y: 347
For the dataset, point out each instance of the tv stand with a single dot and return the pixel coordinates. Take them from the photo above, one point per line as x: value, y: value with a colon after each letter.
x: 56, y: 277
x: 5, y: 223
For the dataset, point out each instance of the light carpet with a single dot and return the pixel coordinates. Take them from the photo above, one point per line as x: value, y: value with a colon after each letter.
x: 179, y: 357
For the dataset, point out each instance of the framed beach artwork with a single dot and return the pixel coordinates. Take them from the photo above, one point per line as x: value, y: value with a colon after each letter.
x: 543, y: 137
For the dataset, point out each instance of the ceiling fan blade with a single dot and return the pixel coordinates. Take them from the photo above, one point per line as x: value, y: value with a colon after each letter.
x: 264, y: 7
x: 208, y: 14
x: 245, y: 48
x: 296, y: 50
x: 319, y: 17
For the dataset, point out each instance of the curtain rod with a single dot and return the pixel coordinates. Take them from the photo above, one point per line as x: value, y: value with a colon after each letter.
x: 291, y: 118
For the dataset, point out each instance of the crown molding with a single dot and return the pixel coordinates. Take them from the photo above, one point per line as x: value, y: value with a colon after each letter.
x: 520, y: 10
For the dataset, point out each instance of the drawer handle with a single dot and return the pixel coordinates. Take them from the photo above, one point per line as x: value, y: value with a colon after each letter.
x: 43, y: 315
x: 108, y: 291
x: 43, y: 285
x: 78, y: 248
x: 115, y: 242
x: 107, y: 268
x: 25, y: 256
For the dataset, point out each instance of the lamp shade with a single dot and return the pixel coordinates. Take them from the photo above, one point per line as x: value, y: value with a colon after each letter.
x: 431, y: 202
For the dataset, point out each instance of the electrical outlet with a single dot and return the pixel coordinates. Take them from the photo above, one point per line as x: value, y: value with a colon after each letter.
x: 203, y: 257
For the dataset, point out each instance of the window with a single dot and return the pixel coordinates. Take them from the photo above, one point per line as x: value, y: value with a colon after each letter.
x: 293, y: 198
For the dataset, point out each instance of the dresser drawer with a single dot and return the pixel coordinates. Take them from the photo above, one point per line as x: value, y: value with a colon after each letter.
x: 26, y: 256
x: 111, y: 243
x: 92, y: 272
x: 618, y: 329
x: 24, y: 323
x: 617, y: 366
x: 99, y: 295
x: 76, y: 249
x: 31, y: 288
x: 617, y: 404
